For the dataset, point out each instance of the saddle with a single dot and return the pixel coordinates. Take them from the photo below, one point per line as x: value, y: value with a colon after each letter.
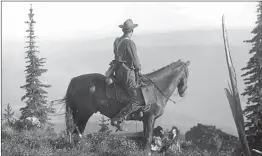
x: 119, y: 94
x: 116, y: 92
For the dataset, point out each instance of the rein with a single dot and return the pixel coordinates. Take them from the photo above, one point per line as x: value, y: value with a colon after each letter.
x: 159, y: 89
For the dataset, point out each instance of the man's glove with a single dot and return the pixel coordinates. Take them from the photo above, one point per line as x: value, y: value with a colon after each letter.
x: 139, y: 77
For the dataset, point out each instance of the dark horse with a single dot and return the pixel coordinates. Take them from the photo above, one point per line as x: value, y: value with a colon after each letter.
x: 86, y: 95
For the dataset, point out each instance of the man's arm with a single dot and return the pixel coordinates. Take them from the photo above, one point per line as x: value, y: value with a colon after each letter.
x: 115, y: 51
x: 133, y: 53
x: 115, y: 45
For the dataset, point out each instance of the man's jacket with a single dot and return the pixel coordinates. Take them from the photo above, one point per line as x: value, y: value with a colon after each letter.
x: 126, y: 52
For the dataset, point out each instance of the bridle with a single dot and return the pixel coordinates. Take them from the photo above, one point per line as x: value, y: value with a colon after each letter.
x: 186, y: 69
x: 186, y: 72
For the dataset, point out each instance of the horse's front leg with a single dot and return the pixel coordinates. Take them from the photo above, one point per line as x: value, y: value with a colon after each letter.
x: 144, y: 128
x: 149, y: 133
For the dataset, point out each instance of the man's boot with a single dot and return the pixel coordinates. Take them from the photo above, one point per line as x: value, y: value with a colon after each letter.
x: 132, y: 106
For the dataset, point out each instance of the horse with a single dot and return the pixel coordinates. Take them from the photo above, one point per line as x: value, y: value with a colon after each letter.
x: 87, y: 94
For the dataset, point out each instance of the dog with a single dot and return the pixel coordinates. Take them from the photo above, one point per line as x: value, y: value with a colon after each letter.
x: 172, y: 140
x: 158, y: 134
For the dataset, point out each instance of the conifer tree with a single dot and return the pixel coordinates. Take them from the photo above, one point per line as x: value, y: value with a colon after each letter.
x: 35, y: 97
x: 104, y: 125
x: 253, y: 81
x: 8, y: 114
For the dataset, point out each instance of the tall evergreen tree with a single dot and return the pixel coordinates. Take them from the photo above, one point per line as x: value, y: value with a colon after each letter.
x: 35, y: 97
x: 253, y: 81
x: 104, y: 125
x: 8, y: 114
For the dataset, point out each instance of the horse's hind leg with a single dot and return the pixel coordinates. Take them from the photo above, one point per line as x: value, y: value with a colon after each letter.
x: 81, y: 121
x: 85, y: 107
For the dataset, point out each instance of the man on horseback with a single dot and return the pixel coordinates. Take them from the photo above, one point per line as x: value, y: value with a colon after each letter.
x: 127, y: 70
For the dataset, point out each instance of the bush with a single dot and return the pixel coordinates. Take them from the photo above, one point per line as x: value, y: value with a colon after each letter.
x: 48, y: 143
x: 211, y: 139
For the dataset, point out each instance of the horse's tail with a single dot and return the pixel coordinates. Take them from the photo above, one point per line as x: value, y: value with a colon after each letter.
x: 70, y: 111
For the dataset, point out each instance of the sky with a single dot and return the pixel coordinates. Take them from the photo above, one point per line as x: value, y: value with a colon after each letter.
x: 62, y: 26
x: 100, y: 19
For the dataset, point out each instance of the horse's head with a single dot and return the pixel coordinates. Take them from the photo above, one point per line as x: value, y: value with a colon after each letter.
x: 182, y: 85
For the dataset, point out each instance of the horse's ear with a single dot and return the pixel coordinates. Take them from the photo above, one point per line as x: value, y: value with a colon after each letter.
x: 188, y: 63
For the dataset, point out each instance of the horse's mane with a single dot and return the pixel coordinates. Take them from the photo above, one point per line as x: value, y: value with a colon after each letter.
x: 164, y: 70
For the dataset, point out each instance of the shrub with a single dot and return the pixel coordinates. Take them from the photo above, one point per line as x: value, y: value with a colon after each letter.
x: 47, y: 143
x: 211, y: 139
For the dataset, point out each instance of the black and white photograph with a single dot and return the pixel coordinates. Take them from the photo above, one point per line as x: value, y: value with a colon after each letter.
x: 131, y: 78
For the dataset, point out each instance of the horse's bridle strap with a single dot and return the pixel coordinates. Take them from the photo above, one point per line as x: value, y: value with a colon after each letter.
x: 159, y: 89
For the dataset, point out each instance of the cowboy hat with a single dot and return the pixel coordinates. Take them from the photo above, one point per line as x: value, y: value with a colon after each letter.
x: 128, y: 25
